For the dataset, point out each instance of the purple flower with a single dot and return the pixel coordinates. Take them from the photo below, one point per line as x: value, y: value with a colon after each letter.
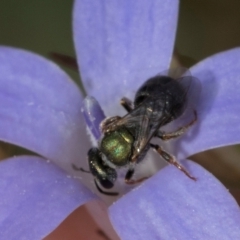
x: 119, y: 45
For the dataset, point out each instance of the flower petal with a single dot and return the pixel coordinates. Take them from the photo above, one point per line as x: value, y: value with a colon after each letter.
x: 120, y: 44
x: 36, y: 196
x: 40, y: 107
x: 171, y: 206
x: 218, y: 110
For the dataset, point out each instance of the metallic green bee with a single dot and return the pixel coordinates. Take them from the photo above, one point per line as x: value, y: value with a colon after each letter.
x: 126, y: 140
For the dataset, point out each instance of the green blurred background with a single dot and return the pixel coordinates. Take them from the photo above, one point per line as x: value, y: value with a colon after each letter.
x: 205, y: 26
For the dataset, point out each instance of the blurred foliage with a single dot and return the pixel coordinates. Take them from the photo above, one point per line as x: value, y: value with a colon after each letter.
x: 38, y: 26
x: 205, y: 27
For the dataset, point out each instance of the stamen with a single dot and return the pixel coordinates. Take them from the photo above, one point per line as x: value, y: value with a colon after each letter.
x: 93, y: 115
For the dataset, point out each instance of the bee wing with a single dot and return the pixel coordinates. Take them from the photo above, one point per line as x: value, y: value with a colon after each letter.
x: 138, y: 119
x: 191, y: 85
x: 130, y: 120
x: 143, y: 118
x: 191, y: 91
x: 146, y: 129
x: 142, y: 134
x: 191, y: 96
x: 192, y: 88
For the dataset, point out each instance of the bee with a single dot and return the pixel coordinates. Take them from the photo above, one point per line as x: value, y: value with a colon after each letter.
x: 126, y: 140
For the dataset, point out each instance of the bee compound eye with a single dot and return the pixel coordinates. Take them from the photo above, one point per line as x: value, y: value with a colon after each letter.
x: 106, y: 183
x: 111, y: 178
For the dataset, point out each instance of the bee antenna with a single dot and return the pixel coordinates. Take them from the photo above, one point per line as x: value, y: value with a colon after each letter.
x: 79, y: 169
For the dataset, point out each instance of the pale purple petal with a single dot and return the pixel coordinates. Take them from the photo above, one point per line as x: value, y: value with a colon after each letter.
x: 219, y: 108
x: 120, y: 44
x: 35, y: 197
x: 40, y: 107
x: 171, y: 206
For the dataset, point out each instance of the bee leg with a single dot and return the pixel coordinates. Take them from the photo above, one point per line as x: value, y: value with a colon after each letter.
x: 166, y: 136
x: 170, y: 159
x: 129, y: 175
x: 127, y: 104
